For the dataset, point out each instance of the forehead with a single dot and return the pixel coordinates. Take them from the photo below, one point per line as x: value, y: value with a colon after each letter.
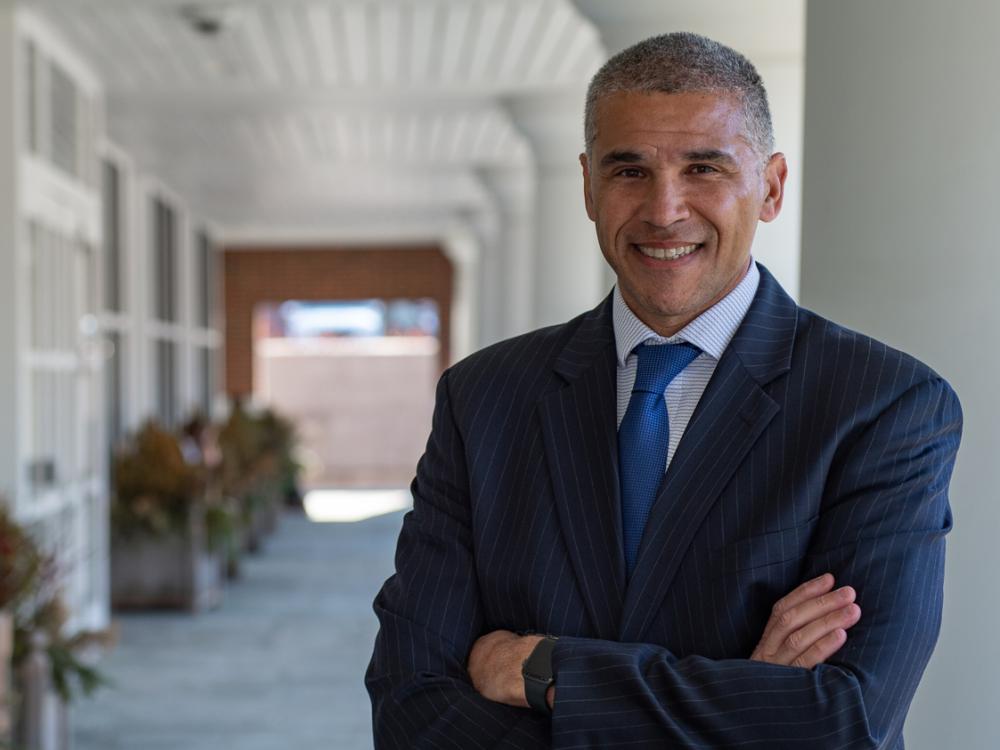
x: 657, y: 120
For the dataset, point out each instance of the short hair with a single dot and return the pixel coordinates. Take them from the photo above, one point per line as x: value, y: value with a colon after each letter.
x: 682, y: 62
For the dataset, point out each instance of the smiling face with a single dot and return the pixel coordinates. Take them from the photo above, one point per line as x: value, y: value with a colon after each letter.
x: 676, y: 190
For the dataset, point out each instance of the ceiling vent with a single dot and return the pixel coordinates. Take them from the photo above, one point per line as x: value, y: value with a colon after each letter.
x: 208, y: 21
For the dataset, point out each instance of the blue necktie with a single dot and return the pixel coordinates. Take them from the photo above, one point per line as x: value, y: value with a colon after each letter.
x: 644, y: 435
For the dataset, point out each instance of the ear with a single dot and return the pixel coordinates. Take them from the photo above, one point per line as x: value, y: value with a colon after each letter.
x: 588, y: 198
x: 775, y: 172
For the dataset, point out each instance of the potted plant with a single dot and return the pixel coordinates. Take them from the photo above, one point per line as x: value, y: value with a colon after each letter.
x: 245, y: 471
x: 160, y: 550
x: 20, y: 569
x: 280, y: 443
x: 50, y: 673
x: 35, y: 646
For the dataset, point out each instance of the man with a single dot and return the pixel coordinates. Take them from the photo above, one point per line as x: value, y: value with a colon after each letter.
x: 551, y: 562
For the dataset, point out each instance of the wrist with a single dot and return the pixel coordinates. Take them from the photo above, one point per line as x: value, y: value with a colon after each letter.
x: 536, y: 672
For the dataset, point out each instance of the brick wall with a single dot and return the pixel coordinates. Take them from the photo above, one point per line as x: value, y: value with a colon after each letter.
x: 255, y: 275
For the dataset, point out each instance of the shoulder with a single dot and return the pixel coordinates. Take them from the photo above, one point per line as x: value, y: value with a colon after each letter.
x: 536, y: 350
x: 838, y: 359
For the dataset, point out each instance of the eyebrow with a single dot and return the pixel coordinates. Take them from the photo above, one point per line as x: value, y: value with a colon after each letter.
x: 711, y: 155
x: 621, y: 157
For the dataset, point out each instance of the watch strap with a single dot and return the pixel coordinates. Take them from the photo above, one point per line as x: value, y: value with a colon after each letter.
x: 537, y: 673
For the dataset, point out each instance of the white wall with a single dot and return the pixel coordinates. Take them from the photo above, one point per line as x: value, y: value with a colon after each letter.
x: 776, y: 244
x: 9, y: 298
x: 902, y: 136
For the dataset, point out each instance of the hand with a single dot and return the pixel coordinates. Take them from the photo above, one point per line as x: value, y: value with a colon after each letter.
x: 495, y: 666
x: 809, y: 625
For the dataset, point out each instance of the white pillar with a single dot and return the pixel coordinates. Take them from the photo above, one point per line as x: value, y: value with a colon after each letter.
x: 507, y: 276
x: 462, y: 247
x: 569, y: 275
x: 488, y: 295
x: 11, y: 290
x: 902, y: 131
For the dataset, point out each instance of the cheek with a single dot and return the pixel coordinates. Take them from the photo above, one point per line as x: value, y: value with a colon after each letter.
x: 731, y: 215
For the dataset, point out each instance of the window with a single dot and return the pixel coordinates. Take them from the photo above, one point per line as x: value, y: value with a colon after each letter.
x: 164, y: 262
x: 206, y: 280
x: 165, y: 368
x: 31, y: 90
x: 113, y: 382
x: 112, y: 238
x: 64, y: 121
x: 207, y: 378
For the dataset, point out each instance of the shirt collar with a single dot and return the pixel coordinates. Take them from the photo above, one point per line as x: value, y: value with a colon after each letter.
x: 711, y: 331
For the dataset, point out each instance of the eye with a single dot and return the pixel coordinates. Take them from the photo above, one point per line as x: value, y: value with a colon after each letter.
x: 630, y: 172
x: 703, y: 169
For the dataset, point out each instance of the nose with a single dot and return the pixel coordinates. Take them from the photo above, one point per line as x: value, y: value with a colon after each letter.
x: 666, y: 202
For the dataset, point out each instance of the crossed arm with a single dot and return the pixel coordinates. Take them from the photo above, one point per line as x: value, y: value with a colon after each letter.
x: 805, y: 628
x: 436, y: 682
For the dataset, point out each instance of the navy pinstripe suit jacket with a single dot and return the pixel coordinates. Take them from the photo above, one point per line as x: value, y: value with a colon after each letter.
x: 813, y: 449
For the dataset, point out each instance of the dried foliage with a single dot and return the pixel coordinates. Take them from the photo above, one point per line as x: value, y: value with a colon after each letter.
x: 154, y: 486
x: 29, y: 591
x: 258, y: 455
x: 21, y: 563
x: 70, y: 674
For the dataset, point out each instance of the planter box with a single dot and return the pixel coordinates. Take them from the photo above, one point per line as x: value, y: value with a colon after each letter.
x: 269, y: 516
x: 174, y: 571
x: 43, y: 716
x: 262, y: 520
x: 6, y: 695
x: 231, y: 558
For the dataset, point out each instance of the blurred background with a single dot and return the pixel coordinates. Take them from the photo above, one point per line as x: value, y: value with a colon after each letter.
x: 240, y: 240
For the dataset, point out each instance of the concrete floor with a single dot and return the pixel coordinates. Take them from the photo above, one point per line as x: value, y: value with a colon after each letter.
x: 278, y: 665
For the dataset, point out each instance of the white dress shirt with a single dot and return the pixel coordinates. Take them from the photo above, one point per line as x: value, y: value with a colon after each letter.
x: 711, y: 332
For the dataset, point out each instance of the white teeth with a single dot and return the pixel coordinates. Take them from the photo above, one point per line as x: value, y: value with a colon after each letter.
x: 664, y: 254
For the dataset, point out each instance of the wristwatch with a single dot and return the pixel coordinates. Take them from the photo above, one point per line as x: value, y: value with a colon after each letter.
x: 537, y: 673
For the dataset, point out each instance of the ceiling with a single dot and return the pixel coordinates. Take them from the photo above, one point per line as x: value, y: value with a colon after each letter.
x: 327, y: 112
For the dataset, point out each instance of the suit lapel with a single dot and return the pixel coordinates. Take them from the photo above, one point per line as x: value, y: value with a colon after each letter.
x: 581, y: 448
x: 732, y: 413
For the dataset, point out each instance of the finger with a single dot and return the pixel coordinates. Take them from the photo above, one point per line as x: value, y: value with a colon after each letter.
x: 822, y: 649
x: 790, y: 620
x: 783, y: 624
x: 802, y: 640
x: 808, y: 590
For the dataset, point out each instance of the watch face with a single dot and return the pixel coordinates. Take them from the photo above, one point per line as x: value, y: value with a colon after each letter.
x: 538, y: 665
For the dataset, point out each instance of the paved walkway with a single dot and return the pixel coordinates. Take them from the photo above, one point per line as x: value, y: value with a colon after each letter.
x: 279, y: 666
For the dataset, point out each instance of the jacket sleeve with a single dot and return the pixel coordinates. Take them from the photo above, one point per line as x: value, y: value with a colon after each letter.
x: 430, y: 615
x: 884, y: 517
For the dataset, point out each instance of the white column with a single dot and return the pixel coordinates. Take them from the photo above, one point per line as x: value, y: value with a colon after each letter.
x: 778, y: 245
x: 900, y: 190
x: 11, y: 410
x: 507, y: 273
x: 462, y: 247
x: 569, y: 275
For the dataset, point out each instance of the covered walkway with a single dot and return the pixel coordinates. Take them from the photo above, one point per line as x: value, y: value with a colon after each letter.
x: 279, y: 665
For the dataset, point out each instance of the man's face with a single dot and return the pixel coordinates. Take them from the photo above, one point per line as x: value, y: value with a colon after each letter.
x: 675, y: 189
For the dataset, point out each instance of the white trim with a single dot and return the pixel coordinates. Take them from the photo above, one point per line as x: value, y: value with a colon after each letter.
x: 32, y: 25
x: 58, y: 200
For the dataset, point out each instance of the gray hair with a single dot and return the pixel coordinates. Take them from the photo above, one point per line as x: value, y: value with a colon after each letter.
x: 683, y: 62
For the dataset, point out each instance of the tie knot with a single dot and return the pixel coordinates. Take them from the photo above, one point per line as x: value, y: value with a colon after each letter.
x: 660, y: 363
